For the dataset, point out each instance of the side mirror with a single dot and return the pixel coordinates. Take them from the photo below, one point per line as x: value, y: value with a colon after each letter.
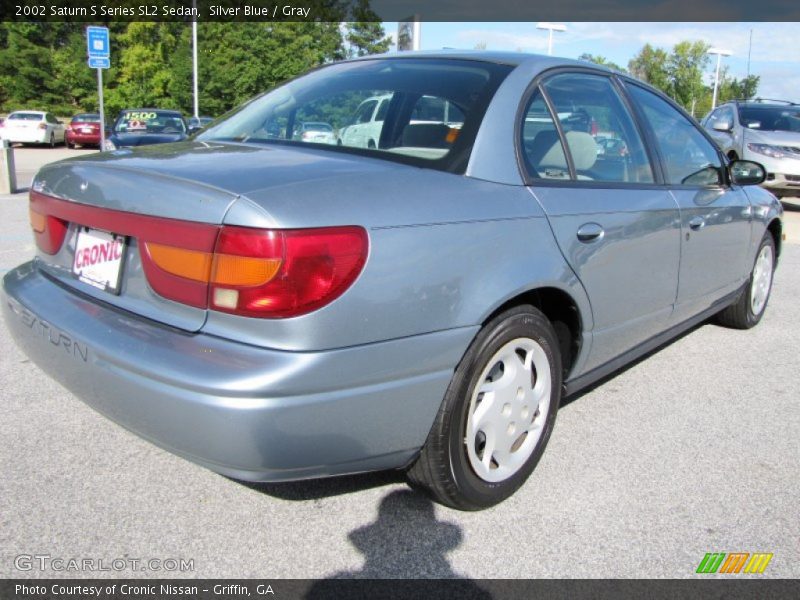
x: 725, y: 126
x: 747, y: 172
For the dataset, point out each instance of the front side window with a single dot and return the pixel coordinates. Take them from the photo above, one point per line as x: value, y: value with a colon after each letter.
x: 724, y: 114
x: 689, y: 158
x: 600, y: 134
x: 420, y: 111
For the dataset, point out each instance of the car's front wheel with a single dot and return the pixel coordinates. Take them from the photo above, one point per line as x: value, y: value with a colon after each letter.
x: 497, y: 414
x: 748, y: 309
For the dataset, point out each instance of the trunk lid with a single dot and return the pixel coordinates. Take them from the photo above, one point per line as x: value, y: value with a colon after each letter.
x: 97, y: 201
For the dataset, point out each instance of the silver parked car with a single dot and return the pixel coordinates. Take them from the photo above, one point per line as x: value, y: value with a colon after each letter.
x: 767, y: 131
x: 297, y: 310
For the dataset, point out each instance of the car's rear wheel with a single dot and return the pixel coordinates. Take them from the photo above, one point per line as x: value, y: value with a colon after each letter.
x: 497, y: 414
x: 748, y: 309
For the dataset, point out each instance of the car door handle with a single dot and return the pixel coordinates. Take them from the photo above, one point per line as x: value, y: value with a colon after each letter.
x: 590, y: 232
x: 697, y: 223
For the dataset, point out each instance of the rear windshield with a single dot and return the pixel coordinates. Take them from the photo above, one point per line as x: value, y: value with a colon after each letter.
x: 770, y: 118
x: 418, y: 111
x: 25, y: 117
x: 149, y: 121
x: 87, y: 118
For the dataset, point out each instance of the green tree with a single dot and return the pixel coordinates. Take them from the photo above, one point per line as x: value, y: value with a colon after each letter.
x: 685, y: 68
x: 144, y: 75
x: 240, y: 60
x: 601, y: 60
x: 365, y: 34
x: 650, y: 65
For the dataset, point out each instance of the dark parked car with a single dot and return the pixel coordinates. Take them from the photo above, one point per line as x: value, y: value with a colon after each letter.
x: 83, y: 130
x: 146, y: 126
x: 275, y: 309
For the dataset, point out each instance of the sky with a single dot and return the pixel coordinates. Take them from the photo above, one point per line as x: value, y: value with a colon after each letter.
x: 775, y: 53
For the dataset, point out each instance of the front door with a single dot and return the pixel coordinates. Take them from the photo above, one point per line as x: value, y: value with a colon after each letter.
x: 715, y: 217
x: 617, y: 229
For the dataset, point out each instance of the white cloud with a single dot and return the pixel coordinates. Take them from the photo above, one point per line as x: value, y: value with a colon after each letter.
x: 502, y: 40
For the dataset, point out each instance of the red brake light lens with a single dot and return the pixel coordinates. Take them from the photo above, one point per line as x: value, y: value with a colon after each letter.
x: 273, y: 273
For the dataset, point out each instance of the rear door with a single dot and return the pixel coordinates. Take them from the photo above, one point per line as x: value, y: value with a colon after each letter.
x: 618, y: 229
x: 715, y: 217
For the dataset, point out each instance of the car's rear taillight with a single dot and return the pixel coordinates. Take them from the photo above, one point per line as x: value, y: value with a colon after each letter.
x: 48, y: 231
x: 260, y: 272
x: 42, y: 125
x: 272, y: 273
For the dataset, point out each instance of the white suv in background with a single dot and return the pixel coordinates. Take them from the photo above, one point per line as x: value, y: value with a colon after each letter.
x: 764, y: 131
x: 32, y: 127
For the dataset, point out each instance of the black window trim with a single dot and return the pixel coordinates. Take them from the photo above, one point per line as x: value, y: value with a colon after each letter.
x: 533, y: 87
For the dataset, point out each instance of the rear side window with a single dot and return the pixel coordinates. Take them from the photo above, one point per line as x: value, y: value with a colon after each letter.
x: 541, y: 145
x: 689, y: 158
x: 600, y: 133
x: 364, y: 114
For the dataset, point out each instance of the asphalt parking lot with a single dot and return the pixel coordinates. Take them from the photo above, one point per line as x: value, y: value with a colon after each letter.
x: 692, y: 450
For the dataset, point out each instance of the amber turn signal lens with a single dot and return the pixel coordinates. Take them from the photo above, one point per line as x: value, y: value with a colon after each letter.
x: 190, y: 264
x: 243, y: 270
x: 38, y: 221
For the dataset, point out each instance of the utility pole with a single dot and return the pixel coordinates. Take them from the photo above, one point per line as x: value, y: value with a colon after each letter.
x: 720, y: 54
x: 194, y: 62
x: 550, y: 27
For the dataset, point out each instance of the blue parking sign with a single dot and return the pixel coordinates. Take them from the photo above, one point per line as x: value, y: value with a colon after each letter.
x: 97, y: 42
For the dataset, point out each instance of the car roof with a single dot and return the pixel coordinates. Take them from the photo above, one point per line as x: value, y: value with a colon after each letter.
x: 506, y: 58
x: 30, y: 112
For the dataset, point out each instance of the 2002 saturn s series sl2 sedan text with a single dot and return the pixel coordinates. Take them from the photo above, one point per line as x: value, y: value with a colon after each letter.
x: 275, y: 309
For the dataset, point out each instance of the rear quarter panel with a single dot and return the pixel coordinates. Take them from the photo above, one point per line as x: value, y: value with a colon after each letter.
x: 445, y: 252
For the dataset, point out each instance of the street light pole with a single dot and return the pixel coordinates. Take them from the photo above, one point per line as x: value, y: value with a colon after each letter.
x: 720, y: 53
x: 550, y: 27
x: 194, y: 63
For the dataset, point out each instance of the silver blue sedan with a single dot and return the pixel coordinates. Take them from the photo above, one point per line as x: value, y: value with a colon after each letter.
x: 279, y: 309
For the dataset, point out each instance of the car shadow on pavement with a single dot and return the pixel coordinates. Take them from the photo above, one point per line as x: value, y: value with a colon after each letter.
x: 314, y: 489
x: 405, y: 541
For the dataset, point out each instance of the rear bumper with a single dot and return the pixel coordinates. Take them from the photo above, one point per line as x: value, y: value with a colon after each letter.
x: 83, y: 138
x: 247, y: 412
x: 34, y: 136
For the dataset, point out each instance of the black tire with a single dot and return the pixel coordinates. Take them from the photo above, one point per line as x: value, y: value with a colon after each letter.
x: 740, y: 315
x: 443, y: 469
x: 70, y: 145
